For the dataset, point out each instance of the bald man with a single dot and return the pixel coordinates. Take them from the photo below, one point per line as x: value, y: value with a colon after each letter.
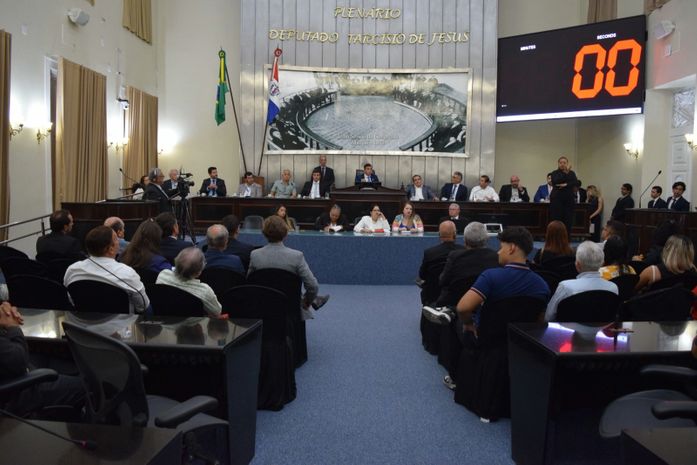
x: 434, y: 261
x: 116, y: 223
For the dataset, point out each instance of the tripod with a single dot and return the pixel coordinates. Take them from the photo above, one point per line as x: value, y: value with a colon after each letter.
x: 183, y: 213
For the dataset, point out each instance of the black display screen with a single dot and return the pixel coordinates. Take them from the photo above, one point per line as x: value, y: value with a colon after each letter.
x: 590, y: 70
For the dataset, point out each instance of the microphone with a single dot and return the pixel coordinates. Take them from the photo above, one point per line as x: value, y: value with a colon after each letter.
x: 647, y: 187
x: 129, y: 178
x: 86, y: 444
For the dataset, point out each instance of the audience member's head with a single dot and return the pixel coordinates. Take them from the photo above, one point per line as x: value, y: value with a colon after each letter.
x: 189, y: 263
x: 102, y: 242
x: 61, y: 222
x: 476, y: 236
x: 275, y: 229
x: 116, y: 223
x: 144, y: 244
x: 663, y: 231
x: 557, y: 239
x: 453, y: 210
x: 232, y: 224
x: 447, y: 231
x: 589, y: 256
x: 678, y: 255
x: 168, y: 224
x: 217, y: 236
x: 615, y: 251
x: 612, y: 228
x: 516, y: 245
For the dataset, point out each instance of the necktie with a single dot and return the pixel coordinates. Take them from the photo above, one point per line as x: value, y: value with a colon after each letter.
x: 323, y: 172
x: 454, y: 194
x: 213, y: 191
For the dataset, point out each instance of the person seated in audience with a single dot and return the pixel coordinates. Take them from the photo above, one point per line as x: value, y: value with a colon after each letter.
x: 514, y: 192
x: 677, y: 202
x: 407, y: 221
x: 454, y: 191
x: 59, y: 242
x: 314, y: 189
x: 589, y: 258
x: 611, y: 228
x: 663, y: 231
x: 368, y: 175
x: 483, y: 192
x: 456, y: 217
x: 282, y: 212
x: 373, y: 223
x: 188, y: 265
x: 143, y: 253
x: 217, y: 237
x: 102, y: 245
x: 615, y: 261
x: 249, y: 188
x: 116, y: 223
x: 434, y: 260
x: 677, y: 259
x: 213, y: 186
x: 170, y: 245
x: 419, y: 191
x: 139, y: 189
x: 276, y: 255
x: 656, y: 200
x: 623, y: 203
x: 14, y: 362
x: 234, y: 245
x: 283, y: 188
x: 334, y: 221
x: 544, y: 191
x: 556, y: 243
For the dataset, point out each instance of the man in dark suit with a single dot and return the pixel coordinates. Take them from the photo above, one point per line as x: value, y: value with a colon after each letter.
x: 677, y: 202
x: 656, y: 200
x: 580, y: 195
x: 213, y: 186
x: 170, y: 246
x: 434, y: 261
x: 514, y: 192
x: 418, y: 190
x: 326, y: 173
x: 454, y: 191
x: 234, y: 245
x: 217, y: 237
x: 623, y: 203
x: 368, y: 175
x: 59, y: 242
x: 154, y: 190
x: 314, y: 188
x: 456, y: 217
x: 334, y: 221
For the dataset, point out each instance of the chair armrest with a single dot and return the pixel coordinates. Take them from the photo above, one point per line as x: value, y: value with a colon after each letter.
x: 185, y: 410
x: 670, y: 371
x: 29, y: 379
x: 671, y: 409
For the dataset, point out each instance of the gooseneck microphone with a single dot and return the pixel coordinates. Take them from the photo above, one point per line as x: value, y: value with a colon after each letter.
x: 128, y: 178
x: 87, y: 444
x: 649, y: 186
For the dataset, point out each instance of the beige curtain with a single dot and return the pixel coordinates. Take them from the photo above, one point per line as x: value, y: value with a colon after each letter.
x: 601, y: 10
x: 5, y: 58
x: 137, y: 18
x: 140, y: 154
x: 650, y: 5
x: 81, y: 143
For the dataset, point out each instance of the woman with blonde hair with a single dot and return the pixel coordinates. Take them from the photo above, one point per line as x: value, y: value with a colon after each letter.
x: 677, y: 259
x: 408, y: 221
x: 595, y: 200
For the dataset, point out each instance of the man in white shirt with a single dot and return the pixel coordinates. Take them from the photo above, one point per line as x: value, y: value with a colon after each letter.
x: 418, y: 191
x: 484, y: 192
x: 102, y: 244
x: 314, y: 189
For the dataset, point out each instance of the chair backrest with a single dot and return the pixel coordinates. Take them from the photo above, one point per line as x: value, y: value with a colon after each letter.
x: 281, y: 280
x: 494, y: 318
x: 253, y: 222
x: 170, y: 300
x: 6, y: 252
x: 589, y: 307
x: 671, y: 304
x: 626, y: 284
x: 111, y: 374
x: 550, y: 277
x: 638, y: 265
x: 222, y: 279
x: 687, y: 280
x: 265, y: 303
x: 58, y: 266
x: 357, y: 220
x: 31, y: 291
x: 96, y: 296
x: 430, y: 289
x: 456, y: 290
x: 14, y: 266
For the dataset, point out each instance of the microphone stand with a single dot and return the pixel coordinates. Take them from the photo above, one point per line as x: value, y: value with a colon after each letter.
x: 128, y: 178
x: 647, y: 187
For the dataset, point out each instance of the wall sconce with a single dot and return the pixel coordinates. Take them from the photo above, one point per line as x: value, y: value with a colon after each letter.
x: 632, y: 150
x: 43, y: 132
x: 16, y: 129
x: 690, y: 138
x: 120, y: 144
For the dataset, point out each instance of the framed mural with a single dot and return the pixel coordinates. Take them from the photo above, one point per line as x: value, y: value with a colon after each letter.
x: 371, y: 111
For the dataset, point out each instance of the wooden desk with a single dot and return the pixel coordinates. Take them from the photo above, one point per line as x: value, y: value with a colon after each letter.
x: 642, y: 223
x: 88, y: 215
x: 185, y: 357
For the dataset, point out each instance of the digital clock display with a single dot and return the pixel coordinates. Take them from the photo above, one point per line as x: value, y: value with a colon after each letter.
x: 591, y: 70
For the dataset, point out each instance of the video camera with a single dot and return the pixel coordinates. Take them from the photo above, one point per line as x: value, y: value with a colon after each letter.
x: 184, y: 182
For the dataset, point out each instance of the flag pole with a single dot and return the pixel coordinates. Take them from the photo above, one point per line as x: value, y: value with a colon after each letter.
x: 261, y: 157
x: 237, y: 121
x: 277, y: 53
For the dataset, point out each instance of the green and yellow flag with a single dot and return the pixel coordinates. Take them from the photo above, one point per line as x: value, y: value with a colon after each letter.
x: 222, y: 89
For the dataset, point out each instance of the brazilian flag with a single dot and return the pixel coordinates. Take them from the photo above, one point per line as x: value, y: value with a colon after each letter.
x: 222, y: 89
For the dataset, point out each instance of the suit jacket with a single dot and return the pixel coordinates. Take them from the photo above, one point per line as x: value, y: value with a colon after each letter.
x: 170, y: 247
x: 431, y: 267
x: 542, y: 193
x: 255, y: 190
x: 219, y: 259
x: 426, y: 191
x: 658, y: 203
x: 463, y: 264
x: 583, y: 195
x: 241, y: 249
x: 447, y: 189
x: 622, y: 204
x: 323, y: 221
x: 57, y: 244
x: 506, y: 192
x: 220, y: 192
x: 277, y: 255
x: 307, y: 187
x: 359, y: 178
x: 680, y: 205
x: 328, y: 179
x: 154, y: 192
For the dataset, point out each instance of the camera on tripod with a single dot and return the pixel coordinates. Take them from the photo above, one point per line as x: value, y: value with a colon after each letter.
x: 184, y: 182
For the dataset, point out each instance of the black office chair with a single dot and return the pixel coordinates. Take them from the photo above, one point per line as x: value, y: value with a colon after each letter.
x: 113, y: 378
x: 6, y: 252
x: 291, y: 285
x: 483, y: 384
x: 30, y: 291
x: 564, y: 266
x: 550, y: 277
x: 221, y: 279
x: 253, y: 222
x: 589, y: 307
x: 170, y: 300
x: 638, y: 265
x: 673, y: 304
x: 99, y: 297
x: 626, y: 285
x: 57, y: 268
x: 14, y: 266
x: 277, y: 373
x: 11, y: 387
x: 687, y: 280
x: 430, y: 291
